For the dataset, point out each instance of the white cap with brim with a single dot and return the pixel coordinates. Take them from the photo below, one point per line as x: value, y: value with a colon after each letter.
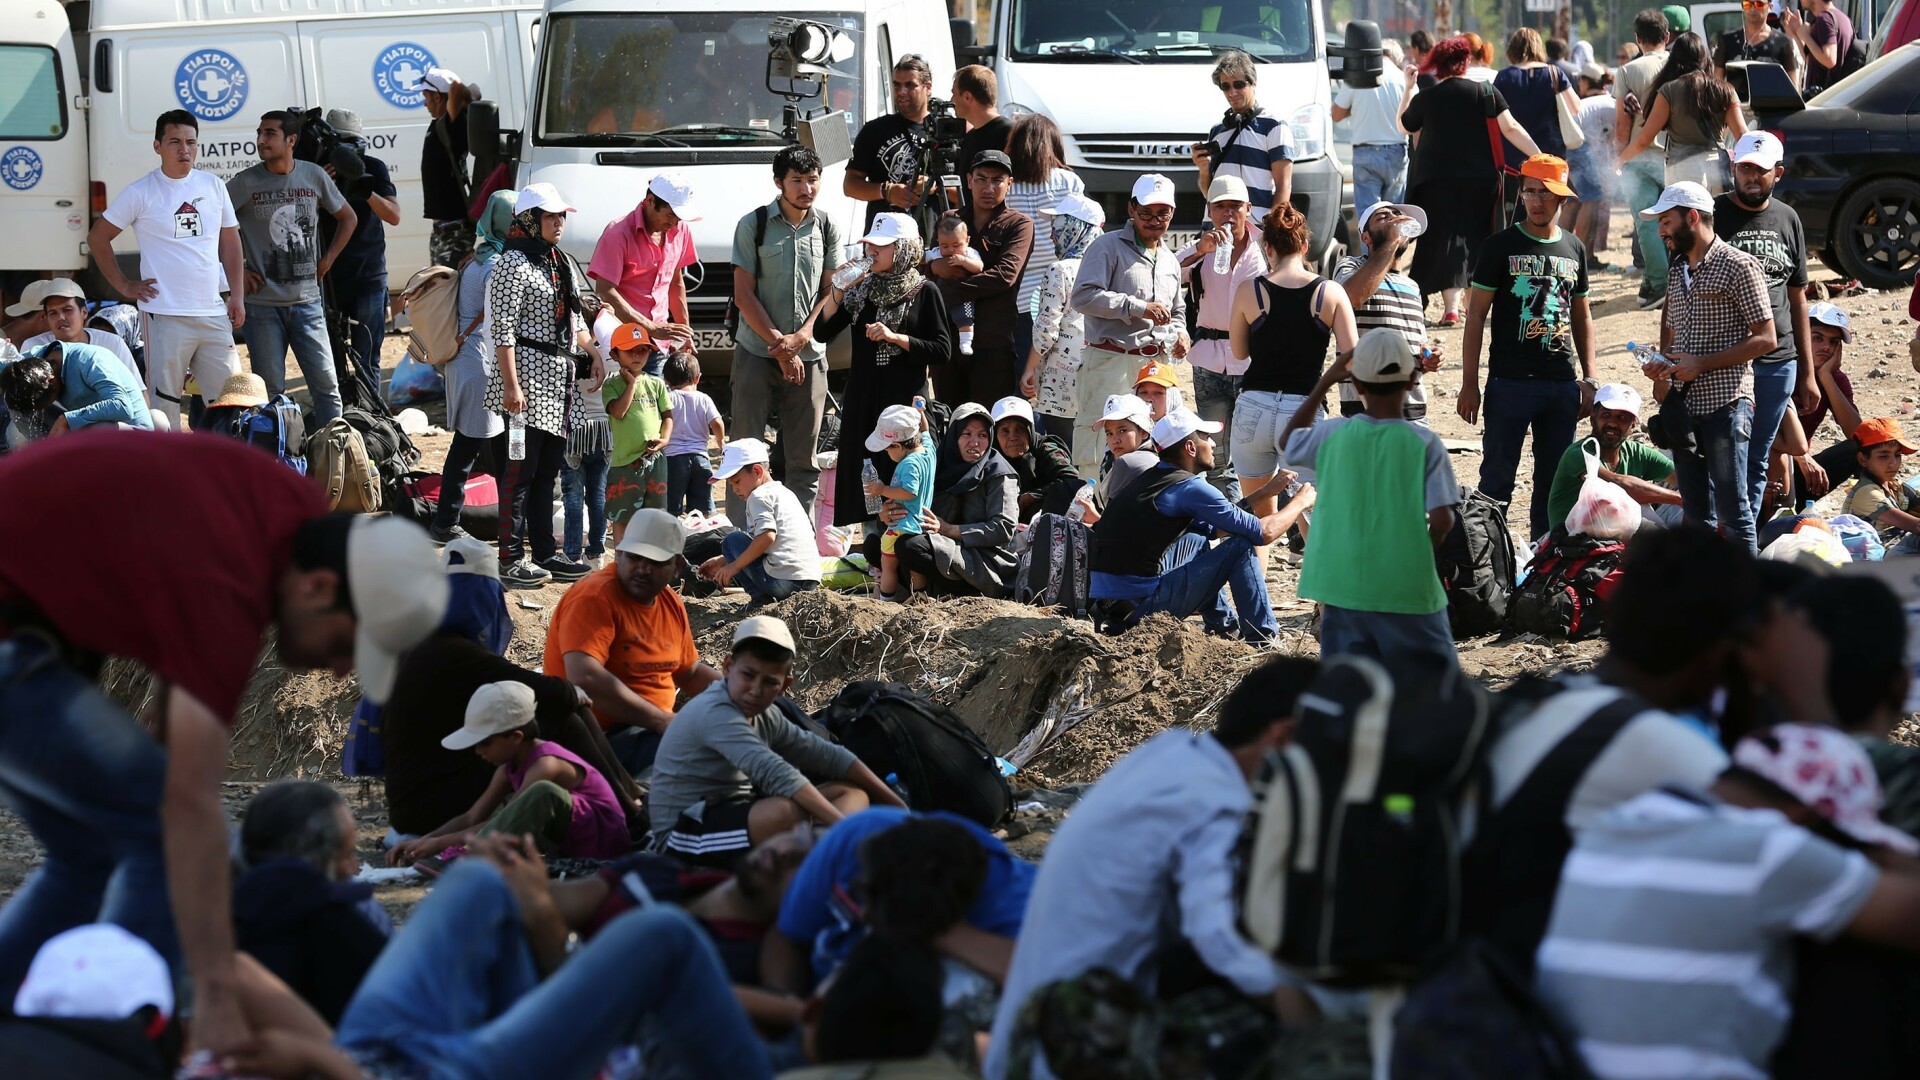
x: 654, y: 534
x: 888, y: 229
x: 1830, y: 315
x: 1179, y: 425
x: 466, y: 555
x: 1013, y: 406
x: 437, y: 79
x: 399, y: 595
x: 542, y: 196
x: 1418, y: 215
x: 1127, y: 407
x: 1619, y: 397
x: 1685, y: 195
x: 739, y: 454
x: 99, y: 971
x: 1382, y: 356
x: 494, y: 709
x: 1153, y: 189
x: 897, y: 423
x: 1760, y: 148
x: 30, y: 299
x: 767, y: 629
x: 1078, y: 206
x: 676, y: 191
x: 1228, y: 189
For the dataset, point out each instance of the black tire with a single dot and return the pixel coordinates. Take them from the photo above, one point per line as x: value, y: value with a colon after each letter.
x: 1876, y: 234
x: 1334, y: 253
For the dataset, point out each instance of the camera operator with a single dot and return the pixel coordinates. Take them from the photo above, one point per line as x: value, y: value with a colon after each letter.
x: 446, y: 180
x: 884, y: 169
x: 1248, y: 142
x: 975, y: 92
x: 359, y: 277
x: 278, y: 206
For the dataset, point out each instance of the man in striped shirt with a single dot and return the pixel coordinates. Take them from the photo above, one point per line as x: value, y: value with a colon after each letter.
x: 1255, y: 145
x: 1384, y: 295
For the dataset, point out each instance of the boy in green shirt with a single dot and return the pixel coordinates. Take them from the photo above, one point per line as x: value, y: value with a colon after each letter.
x: 640, y: 416
x: 1642, y: 470
x: 1386, y: 498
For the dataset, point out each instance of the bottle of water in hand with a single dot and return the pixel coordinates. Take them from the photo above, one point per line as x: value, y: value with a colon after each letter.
x: 517, y: 436
x: 849, y: 273
x: 1223, y: 258
x: 870, y: 475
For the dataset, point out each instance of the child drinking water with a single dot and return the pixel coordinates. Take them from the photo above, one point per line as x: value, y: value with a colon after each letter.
x: 898, y: 433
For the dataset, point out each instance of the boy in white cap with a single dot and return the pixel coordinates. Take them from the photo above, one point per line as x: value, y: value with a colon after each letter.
x: 733, y: 770
x: 636, y: 266
x: 1126, y: 426
x: 898, y: 435
x: 774, y: 556
x: 1386, y: 501
x: 1638, y: 467
x: 1811, y: 475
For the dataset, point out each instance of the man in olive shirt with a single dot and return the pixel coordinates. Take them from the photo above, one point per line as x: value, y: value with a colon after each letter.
x: 1641, y: 470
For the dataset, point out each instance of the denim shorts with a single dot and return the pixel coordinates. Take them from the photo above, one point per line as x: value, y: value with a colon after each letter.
x: 1258, y: 418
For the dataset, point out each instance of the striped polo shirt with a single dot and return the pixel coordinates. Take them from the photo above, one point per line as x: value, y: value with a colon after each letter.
x: 1396, y: 303
x: 1263, y: 141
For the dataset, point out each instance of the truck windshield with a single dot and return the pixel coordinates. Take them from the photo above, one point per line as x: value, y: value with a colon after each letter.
x: 670, y: 79
x: 1155, y: 31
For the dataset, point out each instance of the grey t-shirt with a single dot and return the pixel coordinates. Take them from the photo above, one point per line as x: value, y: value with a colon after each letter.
x: 794, y: 556
x: 280, y: 229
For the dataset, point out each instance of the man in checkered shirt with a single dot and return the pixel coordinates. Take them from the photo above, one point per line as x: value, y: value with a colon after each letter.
x: 1716, y: 323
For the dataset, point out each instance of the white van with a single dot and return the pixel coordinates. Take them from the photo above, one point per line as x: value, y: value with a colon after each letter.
x: 80, y: 89
x: 624, y: 89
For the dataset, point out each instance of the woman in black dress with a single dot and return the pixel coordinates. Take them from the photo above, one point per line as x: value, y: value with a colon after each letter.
x: 900, y: 326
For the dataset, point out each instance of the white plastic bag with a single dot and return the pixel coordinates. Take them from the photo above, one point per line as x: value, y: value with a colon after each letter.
x: 1604, y: 509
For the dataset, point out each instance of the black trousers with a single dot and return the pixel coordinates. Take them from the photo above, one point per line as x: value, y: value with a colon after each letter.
x: 526, y: 514
x: 462, y: 456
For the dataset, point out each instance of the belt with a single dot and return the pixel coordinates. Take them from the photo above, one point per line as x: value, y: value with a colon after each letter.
x: 1208, y: 333
x: 1147, y: 350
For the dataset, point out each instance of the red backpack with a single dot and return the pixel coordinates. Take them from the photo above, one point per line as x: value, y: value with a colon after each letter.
x: 1567, y: 586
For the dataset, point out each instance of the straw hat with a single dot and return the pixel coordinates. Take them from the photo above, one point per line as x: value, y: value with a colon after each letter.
x: 243, y: 389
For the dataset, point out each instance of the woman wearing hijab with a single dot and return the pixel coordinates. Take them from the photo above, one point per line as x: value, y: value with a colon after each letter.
x: 475, y: 427
x: 541, y: 308
x: 899, y: 328
x: 1059, y: 331
x: 1042, y: 464
x: 965, y: 545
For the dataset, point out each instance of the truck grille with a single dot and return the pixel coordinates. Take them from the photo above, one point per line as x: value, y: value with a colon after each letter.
x: 709, y: 287
x: 1144, y: 153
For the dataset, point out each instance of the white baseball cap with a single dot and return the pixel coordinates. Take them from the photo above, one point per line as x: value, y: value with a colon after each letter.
x: 1684, y: 195
x: 542, y: 196
x: 1012, y: 406
x: 1179, y: 425
x: 654, y: 534
x: 1760, y: 148
x: 438, y: 79
x: 1418, y: 215
x: 890, y: 228
x: 1831, y: 315
x: 1153, y: 190
x: 1127, y: 407
x: 494, y: 709
x: 1228, y: 189
x: 897, y: 423
x: 465, y: 555
x: 1382, y: 355
x: 676, y: 191
x: 1619, y: 397
x: 767, y: 629
x: 95, y: 972
x: 399, y: 594
x: 37, y: 292
x: 740, y: 454
x: 1077, y: 206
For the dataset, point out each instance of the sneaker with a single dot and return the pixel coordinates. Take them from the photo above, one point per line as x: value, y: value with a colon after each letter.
x: 434, y: 865
x: 1652, y: 301
x: 524, y: 575
x: 565, y: 569
x: 446, y: 536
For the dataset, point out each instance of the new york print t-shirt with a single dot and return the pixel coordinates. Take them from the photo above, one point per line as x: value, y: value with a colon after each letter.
x: 1534, y: 283
x: 280, y: 229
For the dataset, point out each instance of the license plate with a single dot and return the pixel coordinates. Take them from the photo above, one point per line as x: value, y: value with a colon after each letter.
x: 711, y: 339
x: 1175, y: 240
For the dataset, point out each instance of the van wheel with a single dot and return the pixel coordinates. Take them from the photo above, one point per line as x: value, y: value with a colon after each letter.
x: 1877, y: 234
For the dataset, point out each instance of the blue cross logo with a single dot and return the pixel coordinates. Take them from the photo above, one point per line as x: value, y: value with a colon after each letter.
x: 211, y: 84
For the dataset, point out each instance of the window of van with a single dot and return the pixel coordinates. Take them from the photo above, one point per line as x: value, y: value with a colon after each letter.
x: 670, y: 79
x: 31, y: 103
x: 1150, y: 31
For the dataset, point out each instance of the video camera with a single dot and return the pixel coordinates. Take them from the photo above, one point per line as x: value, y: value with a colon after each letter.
x: 324, y: 145
x: 937, y: 151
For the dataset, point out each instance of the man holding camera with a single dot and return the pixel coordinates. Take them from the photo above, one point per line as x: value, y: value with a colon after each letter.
x: 885, y: 167
x: 359, y: 275
x: 1248, y: 142
x: 1004, y: 237
x: 277, y: 203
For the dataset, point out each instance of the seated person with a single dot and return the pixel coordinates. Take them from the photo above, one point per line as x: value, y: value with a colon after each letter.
x: 539, y: 788
x: 1719, y: 885
x: 1156, y: 386
x: 1042, y: 464
x: 621, y: 635
x: 1145, y: 517
x: 64, y: 304
x: 1830, y: 332
x: 297, y: 908
x: 775, y: 555
x: 879, y: 1017
x: 1638, y: 467
x: 901, y: 434
x: 733, y: 770
x: 1127, y: 426
x: 1878, y: 497
x: 77, y: 386
x: 965, y: 542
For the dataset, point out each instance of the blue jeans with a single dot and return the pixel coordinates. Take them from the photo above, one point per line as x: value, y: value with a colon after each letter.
x: 87, y: 781
x: 1713, y: 483
x: 689, y: 483
x: 1379, y: 173
x: 1387, y: 636
x: 1641, y: 182
x: 761, y: 586
x: 269, y: 332
x: 584, y: 493
x: 1772, y: 393
x: 1213, y: 398
x: 1195, y: 587
x: 1551, y: 409
x: 365, y: 302
x: 459, y: 994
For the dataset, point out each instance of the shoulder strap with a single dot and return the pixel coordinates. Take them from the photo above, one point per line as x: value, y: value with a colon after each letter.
x: 760, y: 217
x: 1546, y: 792
x: 1319, y: 297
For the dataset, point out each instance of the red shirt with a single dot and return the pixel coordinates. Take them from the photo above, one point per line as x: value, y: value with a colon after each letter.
x: 640, y: 269
x: 162, y: 548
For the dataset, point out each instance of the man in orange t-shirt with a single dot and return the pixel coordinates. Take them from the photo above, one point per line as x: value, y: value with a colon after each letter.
x: 621, y: 634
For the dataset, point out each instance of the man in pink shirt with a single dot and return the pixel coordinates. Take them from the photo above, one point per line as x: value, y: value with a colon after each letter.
x: 636, y: 265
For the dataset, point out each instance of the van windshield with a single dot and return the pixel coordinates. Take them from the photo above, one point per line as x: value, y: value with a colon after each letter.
x: 1155, y: 31
x: 671, y: 79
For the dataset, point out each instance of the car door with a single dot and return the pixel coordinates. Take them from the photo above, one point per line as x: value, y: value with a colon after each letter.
x: 43, y: 156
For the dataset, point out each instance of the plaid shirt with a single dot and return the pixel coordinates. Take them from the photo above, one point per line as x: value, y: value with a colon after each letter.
x: 1710, y: 308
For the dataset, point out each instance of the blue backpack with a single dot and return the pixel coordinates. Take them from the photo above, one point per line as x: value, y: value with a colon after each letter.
x: 276, y: 427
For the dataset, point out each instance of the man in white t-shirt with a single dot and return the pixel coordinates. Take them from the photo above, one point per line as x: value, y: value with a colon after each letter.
x: 65, y: 305
x: 775, y: 555
x: 189, y: 257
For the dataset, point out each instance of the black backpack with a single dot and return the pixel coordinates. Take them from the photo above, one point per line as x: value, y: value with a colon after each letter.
x: 1475, y: 1018
x: 1477, y: 564
x: 1568, y: 582
x: 388, y: 447
x: 929, y: 755
x: 1351, y: 859
x: 1052, y: 568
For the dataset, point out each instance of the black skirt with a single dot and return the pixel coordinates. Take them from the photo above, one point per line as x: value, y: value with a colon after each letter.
x: 1460, y: 217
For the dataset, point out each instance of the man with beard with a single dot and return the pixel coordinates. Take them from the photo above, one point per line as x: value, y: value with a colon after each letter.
x: 1643, y: 471
x: 884, y: 169
x: 1752, y: 220
x: 230, y: 542
x: 622, y: 635
x: 1384, y: 294
x: 783, y: 254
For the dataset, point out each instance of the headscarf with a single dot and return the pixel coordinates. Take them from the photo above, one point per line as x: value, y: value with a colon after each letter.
x: 1072, y: 237
x: 569, y: 284
x: 955, y: 475
x: 890, y: 291
x: 490, y: 232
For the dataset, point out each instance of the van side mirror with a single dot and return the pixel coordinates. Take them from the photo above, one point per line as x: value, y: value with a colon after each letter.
x: 964, y: 41
x: 1764, y: 87
x: 1360, y: 55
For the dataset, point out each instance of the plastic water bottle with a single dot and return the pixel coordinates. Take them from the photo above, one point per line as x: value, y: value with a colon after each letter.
x: 1409, y: 229
x: 1164, y: 335
x: 870, y: 475
x: 849, y: 273
x: 1082, y: 502
x: 517, y: 437
x: 1223, y: 258
x: 1643, y: 354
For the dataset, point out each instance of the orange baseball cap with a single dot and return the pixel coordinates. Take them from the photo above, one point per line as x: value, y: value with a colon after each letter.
x: 1549, y: 169
x: 1157, y: 373
x: 630, y: 336
x: 1882, y: 430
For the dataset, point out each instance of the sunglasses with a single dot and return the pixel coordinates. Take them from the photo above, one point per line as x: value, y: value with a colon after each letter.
x: 1755, y: 5
x: 1237, y: 84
